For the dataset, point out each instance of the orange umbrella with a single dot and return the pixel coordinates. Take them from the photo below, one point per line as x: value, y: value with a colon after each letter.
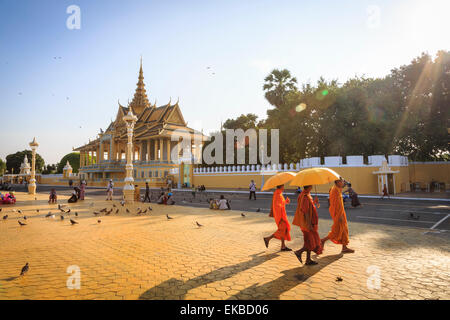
x: 313, y: 176
x: 278, y: 179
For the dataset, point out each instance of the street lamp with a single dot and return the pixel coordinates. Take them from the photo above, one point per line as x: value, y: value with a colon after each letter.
x: 32, y: 185
x: 128, y: 188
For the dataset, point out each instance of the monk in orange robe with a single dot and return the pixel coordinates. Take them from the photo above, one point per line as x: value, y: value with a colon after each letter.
x: 307, y: 219
x: 279, y: 214
x: 339, y: 229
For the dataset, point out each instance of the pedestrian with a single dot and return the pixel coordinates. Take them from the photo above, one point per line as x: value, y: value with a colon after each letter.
x: 147, y: 193
x: 339, y: 229
x: 109, y: 190
x: 252, y: 188
x: 52, y: 198
x: 193, y: 191
x: 385, y: 193
x: 307, y: 219
x: 82, y: 187
x: 278, y: 212
x: 353, y: 196
x: 70, y: 183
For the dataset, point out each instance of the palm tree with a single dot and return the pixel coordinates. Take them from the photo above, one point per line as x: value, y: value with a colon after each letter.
x: 277, y: 85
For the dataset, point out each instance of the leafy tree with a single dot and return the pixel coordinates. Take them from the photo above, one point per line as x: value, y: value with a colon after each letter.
x: 243, y: 122
x: 278, y: 84
x: 74, y: 160
x: 2, y: 167
x: 13, y: 161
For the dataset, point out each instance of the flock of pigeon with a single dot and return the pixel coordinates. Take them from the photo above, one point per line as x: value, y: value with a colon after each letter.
x: 64, y: 210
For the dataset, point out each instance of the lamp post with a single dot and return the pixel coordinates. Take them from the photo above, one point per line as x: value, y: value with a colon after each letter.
x: 262, y: 166
x: 32, y: 184
x: 128, y: 189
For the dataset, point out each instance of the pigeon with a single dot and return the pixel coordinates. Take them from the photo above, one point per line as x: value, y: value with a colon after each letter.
x: 25, y: 217
x: 103, y: 210
x: 76, y: 214
x: 98, y: 221
x: 108, y: 213
x: 258, y: 210
x: 68, y: 211
x: 14, y: 210
x: 35, y: 198
x: 128, y: 211
x: 114, y: 205
x: 412, y: 216
x: 338, y: 279
x: 122, y: 203
x: 150, y: 208
x: 242, y: 214
x: 5, y: 217
x: 21, y: 223
x: 49, y: 214
x: 73, y: 222
x: 168, y: 218
x: 37, y: 210
x: 198, y: 224
x: 25, y: 269
x: 96, y: 213
x: 117, y: 211
x: 145, y: 211
x: 62, y: 217
x: 19, y: 211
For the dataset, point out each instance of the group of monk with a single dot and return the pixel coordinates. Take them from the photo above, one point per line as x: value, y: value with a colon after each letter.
x: 307, y: 219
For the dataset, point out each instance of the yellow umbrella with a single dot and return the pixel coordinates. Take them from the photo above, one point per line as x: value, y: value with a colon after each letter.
x: 313, y: 176
x: 278, y: 179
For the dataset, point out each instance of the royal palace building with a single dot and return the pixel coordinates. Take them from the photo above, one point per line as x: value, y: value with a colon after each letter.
x: 157, y: 140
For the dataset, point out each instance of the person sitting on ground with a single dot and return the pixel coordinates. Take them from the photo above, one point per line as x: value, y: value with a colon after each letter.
x: 78, y: 192
x: 213, y: 204
x: 74, y: 197
x: 52, y: 198
x: 223, y: 203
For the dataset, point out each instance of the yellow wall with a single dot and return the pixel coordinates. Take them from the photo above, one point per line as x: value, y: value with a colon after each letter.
x: 362, y: 179
x: 426, y: 172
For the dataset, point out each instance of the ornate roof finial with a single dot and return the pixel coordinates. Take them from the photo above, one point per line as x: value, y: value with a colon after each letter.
x: 140, y: 100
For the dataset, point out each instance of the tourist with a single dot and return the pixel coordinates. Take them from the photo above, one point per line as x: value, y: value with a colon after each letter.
x: 74, y: 196
x: 70, y: 183
x: 52, y: 198
x: 252, y: 188
x: 82, y: 187
x: 385, y: 193
x: 78, y: 191
x: 193, y: 191
x: 147, y: 193
x: 278, y: 212
x: 137, y: 193
x: 223, y: 203
x: 307, y: 219
x: 353, y: 195
x: 339, y: 229
x: 109, y: 190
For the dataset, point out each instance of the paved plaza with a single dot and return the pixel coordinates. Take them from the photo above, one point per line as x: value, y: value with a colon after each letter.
x: 130, y: 256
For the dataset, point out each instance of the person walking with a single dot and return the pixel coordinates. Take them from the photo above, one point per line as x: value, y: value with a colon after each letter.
x: 339, y: 229
x: 147, y: 193
x: 385, y: 193
x: 109, y: 190
x: 307, y: 219
x: 252, y: 188
x: 279, y: 214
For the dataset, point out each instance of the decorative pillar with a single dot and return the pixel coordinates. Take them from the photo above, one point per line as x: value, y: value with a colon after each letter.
x: 161, y: 148
x: 155, y: 156
x: 32, y: 185
x: 168, y: 150
x: 128, y: 189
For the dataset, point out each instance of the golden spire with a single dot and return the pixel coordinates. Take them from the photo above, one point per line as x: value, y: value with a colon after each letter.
x: 140, y: 100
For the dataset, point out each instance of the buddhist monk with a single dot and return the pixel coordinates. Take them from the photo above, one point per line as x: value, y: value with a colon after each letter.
x: 279, y: 214
x: 307, y: 219
x: 339, y: 229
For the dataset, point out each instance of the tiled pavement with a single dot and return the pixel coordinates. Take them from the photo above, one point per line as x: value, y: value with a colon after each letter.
x: 149, y: 257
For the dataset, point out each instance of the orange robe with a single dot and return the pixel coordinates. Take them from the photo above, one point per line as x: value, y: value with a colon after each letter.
x: 279, y: 214
x: 307, y: 219
x: 339, y: 229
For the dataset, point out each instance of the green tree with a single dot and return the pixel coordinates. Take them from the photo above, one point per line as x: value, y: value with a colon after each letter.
x: 278, y: 84
x: 2, y: 167
x: 244, y: 122
x: 74, y: 160
x: 13, y: 161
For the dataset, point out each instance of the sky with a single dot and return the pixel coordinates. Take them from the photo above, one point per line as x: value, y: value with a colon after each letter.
x: 61, y: 85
